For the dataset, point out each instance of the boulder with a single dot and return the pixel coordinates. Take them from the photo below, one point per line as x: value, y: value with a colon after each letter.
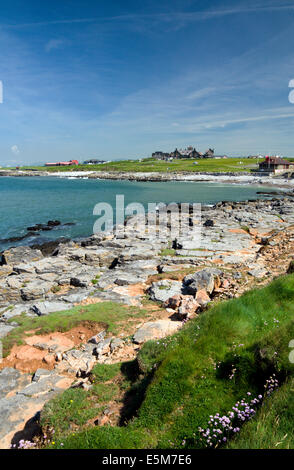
x: 204, y: 279
x: 173, y: 302
x: 103, y: 347
x: 188, y: 307
x: 94, y: 240
x: 77, y: 361
x: 35, y: 290
x: 156, y: 330
x: 208, y: 223
x: 82, y: 280
x: 97, y: 338
x: 162, y: 290
x: 202, y: 297
x: 185, y: 305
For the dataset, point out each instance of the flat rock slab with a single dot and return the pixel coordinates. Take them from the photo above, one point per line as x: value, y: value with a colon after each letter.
x: 44, y: 308
x: 48, y: 383
x: 156, y: 330
x: 12, y: 380
x: 16, y: 310
x: 258, y: 272
x: 35, y: 290
x: 16, y: 411
x: 113, y: 296
x: 20, y: 254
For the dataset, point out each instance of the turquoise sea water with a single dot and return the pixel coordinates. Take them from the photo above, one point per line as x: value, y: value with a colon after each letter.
x: 26, y: 201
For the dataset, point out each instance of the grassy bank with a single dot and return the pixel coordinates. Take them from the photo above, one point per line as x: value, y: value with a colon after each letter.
x: 151, y: 165
x: 216, y: 360
x: 109, y: 315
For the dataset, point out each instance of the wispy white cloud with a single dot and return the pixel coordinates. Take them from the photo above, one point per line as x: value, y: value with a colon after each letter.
x: 54, y: 44
x: 15, y: 149
x: 179, y: 17
x: 201, y: 93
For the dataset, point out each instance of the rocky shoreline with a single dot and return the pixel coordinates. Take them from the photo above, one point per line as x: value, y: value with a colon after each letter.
x: 242, y: 245
x: 216, y: 177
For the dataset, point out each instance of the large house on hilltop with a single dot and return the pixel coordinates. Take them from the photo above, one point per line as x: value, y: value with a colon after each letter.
x: 94, y: 161
x: 189, y: 152
x: 275, y: 165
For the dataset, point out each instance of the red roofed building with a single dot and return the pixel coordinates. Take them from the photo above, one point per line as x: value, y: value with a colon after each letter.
x: 275, y: 165
x: 70, y: 162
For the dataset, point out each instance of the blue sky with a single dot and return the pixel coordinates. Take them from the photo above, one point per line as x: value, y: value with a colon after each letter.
x: 120, y: 79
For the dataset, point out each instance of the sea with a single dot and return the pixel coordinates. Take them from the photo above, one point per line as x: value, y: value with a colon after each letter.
x: 26, y: 201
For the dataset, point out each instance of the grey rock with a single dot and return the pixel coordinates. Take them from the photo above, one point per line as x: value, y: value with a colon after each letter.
x: 46, y: 307
x: 156, y: 330
x: 103, y: 347
x: 76, y: 297
x: 12, y: 380
x: 44, y: 385
x: 25, y: 268
x: 41, y: 373
x: 4, y: 330
x: 97, y: 338
x: 81, y: 281
x: 35, y: 290
x: 203, y: 279
x: 237, y: 275
x: 112, y: 296
x: 138, y: 253
x: 162, y: 290
x: 20, y: 254
x: 14, y: 311
x: 257, y: 272
x: 115, y: 344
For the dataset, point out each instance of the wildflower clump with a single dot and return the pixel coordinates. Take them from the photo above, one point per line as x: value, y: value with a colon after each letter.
x: 221, y: 428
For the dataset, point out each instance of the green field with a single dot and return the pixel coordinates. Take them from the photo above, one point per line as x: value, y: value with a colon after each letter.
x: 150, y: 165
x: 223, y: 356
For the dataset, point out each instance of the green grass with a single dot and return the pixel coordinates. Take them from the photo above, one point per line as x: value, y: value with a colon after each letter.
x: 108, y: 314
x: 167, y: 252
x: 150, y: 165
x: 75, y: 407
x: 186, y: 377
